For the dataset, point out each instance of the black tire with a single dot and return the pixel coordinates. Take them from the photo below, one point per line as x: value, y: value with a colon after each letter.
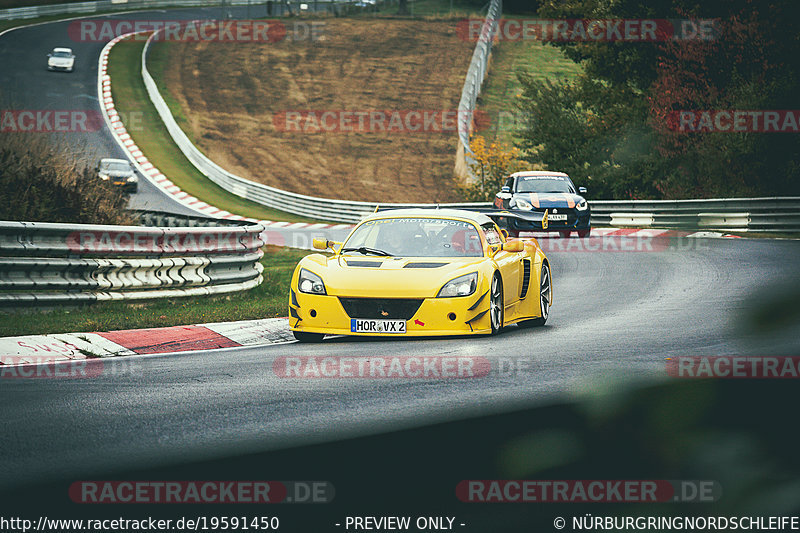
x: 496, y: 310
x: 583, y: 233
x: 304, y: 336
x: 545, y: 295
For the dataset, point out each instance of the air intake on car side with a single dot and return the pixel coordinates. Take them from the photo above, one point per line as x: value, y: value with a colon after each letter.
x: 526, y: 277
x: 390, y: 308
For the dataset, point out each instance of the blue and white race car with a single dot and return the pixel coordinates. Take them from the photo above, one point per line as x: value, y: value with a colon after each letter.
x: 545, y: 191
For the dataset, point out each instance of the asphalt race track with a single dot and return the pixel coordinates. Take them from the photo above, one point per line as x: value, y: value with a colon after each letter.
x: 617, y: 316
x: 26, y: 84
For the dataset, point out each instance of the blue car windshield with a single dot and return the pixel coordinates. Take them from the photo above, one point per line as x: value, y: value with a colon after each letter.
x: 415, y: 237
x: 544, y: 184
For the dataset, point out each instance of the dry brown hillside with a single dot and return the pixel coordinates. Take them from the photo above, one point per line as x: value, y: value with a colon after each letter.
x: 235, y: 95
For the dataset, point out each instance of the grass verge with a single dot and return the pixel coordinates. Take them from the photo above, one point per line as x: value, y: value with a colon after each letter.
x: 265, y: 301
x: 501, y: 88
x: 145, y: 127
x: 432, y: 9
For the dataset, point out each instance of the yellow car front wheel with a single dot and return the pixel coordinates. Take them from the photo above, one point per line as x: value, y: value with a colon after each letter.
x: 545, y: 297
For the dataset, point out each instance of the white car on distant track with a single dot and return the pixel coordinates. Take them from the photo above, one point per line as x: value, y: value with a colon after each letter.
x: 61, y: 59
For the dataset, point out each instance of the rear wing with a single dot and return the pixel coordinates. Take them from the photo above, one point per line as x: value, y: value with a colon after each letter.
x: 499, y: 216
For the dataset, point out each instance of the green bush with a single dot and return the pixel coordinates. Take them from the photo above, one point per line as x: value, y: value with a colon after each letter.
x: 613, y: 129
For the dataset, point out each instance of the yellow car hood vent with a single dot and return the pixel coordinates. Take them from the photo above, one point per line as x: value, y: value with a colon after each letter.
x: 424, y: 265
x: 357, y: 263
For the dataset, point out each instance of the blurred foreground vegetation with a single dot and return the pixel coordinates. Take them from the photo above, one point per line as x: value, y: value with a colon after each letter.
x: 42, y: 182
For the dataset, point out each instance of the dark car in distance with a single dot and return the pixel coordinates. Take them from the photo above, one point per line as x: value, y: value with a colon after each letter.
x: 119, y: 173
x: 540, y: 190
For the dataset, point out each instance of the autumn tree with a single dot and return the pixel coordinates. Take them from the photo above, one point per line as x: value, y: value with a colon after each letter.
x: 613, y: 127
x: 491, y: 164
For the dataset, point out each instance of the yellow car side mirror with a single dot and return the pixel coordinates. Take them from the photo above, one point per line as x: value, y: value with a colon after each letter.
x: 513, y: 245
x: 320, y: 244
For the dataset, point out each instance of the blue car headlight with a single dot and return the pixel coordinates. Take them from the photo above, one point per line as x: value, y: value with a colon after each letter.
x: 582, y: 205
x: 310, y: 283
x: 521, y: 204
x: 460, y: 286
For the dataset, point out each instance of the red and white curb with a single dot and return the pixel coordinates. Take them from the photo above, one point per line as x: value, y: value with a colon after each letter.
x: 32, y: 349
x: 635, y: 233
x: 153, y: 174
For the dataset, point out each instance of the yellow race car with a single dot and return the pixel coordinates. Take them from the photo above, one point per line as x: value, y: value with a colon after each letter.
x: 420, y: 272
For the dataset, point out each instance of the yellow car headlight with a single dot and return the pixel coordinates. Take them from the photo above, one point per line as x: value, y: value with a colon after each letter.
x: 310, y: 283
x: 461, y: 286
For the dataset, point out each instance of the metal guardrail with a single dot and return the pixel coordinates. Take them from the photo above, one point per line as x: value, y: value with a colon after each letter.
x: 171, y: 220
x: 44, y: 263
x: 475, y: 75
x: 774, y: 214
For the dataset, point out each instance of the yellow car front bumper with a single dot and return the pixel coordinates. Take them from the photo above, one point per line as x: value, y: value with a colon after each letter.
x: 325, y: 314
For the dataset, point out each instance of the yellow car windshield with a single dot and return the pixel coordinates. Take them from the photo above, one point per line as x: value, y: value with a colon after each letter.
x: 415, y: 237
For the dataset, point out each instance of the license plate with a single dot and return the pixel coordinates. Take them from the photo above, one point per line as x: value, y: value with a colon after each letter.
x: 119, y: 183
x: 365, y: 325
x: 556, y: 217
